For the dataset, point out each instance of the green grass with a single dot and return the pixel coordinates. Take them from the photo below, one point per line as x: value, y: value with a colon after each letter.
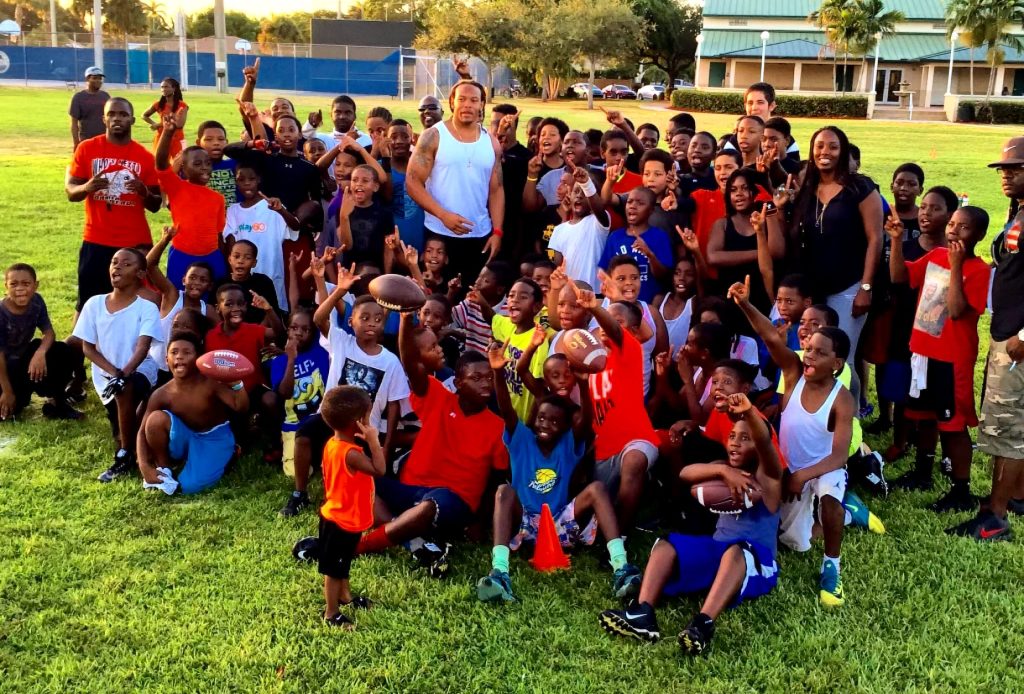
x: 107, y: 589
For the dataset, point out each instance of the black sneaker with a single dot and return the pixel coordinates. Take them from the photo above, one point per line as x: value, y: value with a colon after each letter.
x: 696, y: 637
x: 955, y: 500
x: 912, y: 481
x: 60, y: 409
x: 636, y: 621
x: 340, y: 621
x: 124, y: 463
x: 433, y: 558
x: 296, y: 502
x: 75, y: 393
x: 984, y: 527
x: 1015, y: 506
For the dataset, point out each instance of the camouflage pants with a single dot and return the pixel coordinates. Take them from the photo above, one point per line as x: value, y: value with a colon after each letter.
x: 1001, y: 427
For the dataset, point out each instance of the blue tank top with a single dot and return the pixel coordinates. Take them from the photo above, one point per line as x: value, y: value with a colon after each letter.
x: 758, y: 526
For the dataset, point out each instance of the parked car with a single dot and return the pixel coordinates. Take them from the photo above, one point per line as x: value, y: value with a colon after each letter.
x: 619, y: 91
x: 580, y: 90
x: 653, y: 92
x: 682, y: 84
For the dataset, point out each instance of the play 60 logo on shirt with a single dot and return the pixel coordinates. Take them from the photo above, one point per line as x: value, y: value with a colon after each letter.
x: 255, y: 227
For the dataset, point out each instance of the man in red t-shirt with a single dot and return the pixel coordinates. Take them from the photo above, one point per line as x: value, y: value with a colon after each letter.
x: 116, y: 177
x: 625, y: 444
x: 441, y: 483
x: 953, y: 285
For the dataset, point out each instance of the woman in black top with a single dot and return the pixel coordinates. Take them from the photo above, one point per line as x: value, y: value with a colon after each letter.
x: 732, y: 247
x: 837, y: 223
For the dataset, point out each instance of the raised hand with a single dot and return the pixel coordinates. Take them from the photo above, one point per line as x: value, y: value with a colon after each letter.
x: 317, y: 265
x: 316, y: 118
x: 739, y: 404
x: 331, y: 253
x: 348, y: 203
x: 168, y: 233
x: 640, y: 246
x: 474, y: 296
x: 291, y: 348
x: 507, y: 123
x: 455, y: 284
x: 496, y: 355
x: 757, y: 221
x: 669, y: 202
x: 608, y: 287
x: 559, y: 278
x: 613, y: 172
x: 894, y: 226
x: 613, y: 117
x: 367, y: 431
x: 784, y: 194
x: 274, y: 204
x: 740, y: 293
x: 409, y: 252
x: 259, y: 302
x: 662, y: 360
x: 689, y: 239
x: 538, y: 336
x: 251, y: 72
x: 248, y: 109
x: 295, y: 258
x: 347, y: 277
x: 534, y: 167
x: 461, y: 67
x: 584, y: 297
x: 957, y: 253
x: 579, y: 173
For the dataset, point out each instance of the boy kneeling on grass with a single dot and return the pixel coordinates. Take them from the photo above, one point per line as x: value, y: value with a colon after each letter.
x: 543, y: 456
x: 737, y: 563
x: 188, y: 419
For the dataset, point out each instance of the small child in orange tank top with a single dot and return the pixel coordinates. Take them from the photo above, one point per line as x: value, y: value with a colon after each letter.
x: 347, y: 511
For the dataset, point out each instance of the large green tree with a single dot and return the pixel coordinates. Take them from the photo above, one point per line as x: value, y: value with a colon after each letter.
x: 873, y: 22
x: 237, y: 24
x: 841, y: 23
x: 671, y: 31
x: 611, y: 25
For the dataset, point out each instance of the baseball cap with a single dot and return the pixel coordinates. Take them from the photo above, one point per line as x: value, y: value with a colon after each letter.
x: 1013, y: 154
x: 94, y: 72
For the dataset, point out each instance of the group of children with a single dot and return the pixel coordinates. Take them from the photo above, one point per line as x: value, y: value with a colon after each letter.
x: 471, y: 406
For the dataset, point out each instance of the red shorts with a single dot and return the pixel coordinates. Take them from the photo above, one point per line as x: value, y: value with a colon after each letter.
x: 949, y: 397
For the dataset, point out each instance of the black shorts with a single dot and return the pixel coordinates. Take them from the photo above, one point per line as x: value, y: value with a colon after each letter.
x: 337, y: 549
x: 93, y: 271
x: 939, y: 398
x: 318, y: 433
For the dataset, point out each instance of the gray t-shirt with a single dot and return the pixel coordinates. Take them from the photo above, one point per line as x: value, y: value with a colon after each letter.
x: 87, y: 108
x: 18, y: 329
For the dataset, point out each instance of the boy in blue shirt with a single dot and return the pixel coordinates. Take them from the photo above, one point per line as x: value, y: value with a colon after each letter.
x: 543, y: 457
x: 649, y: 246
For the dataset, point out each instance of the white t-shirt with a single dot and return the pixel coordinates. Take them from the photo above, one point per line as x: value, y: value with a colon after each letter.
x: 267, y: 230
x: 116, y: 334
x: 581, y: 244
x: 380, y: 375
x: 548, y: 185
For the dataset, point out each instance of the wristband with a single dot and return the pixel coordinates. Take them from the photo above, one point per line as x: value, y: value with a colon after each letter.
x: 498, y: 232
x: 237, y: 386
x: 589, y: 189
x: 532, y: 179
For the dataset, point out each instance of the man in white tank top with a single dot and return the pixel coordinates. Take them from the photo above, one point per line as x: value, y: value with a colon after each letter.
x: 455, y: 176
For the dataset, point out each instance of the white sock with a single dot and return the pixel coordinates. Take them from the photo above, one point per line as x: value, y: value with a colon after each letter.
x: 834, y: 560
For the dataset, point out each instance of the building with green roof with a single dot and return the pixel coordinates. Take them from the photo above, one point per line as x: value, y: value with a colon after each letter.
x: 739, y: 34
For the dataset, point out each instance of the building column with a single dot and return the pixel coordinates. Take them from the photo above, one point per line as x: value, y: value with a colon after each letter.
x: 798, y: 72
x: 929, y: 83
x: 730, y: 66
x: 997, y: 88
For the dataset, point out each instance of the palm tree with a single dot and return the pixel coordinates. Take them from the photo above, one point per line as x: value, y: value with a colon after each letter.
x: 1000, y: 17
x: 873, y: 23
x: 839, y: 20
x: 156, y: 16
x: 967, y: 17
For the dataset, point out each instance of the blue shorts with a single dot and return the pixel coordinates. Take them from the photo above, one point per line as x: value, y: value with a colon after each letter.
x: 451, y: 514
x: 699, y: 556
x: 178, y: 262
x: 205, y: 453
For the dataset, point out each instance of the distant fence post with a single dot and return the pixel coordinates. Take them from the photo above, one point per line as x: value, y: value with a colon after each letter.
x: 401, y: 74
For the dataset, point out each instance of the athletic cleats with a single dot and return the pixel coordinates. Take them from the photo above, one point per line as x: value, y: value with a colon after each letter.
x: 627, y: 582
x: 695, y: 639
x: 830, y: 586
x: 62, y: 410
x: 433, y: 558
x: 296, y: 503
x: 955, y: 500
x: 860, y: 516
x: 495, y: 587
x: 341, y: 621
x: 636, y: 621
x: 984, y: 527
x: 124, y: 463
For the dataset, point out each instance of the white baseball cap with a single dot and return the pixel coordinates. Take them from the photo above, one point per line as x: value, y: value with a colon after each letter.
x: 94, y: 72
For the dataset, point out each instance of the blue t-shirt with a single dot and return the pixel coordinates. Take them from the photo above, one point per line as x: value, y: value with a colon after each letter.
x: 222, y: 180
x: 407, y: 213
x: 621, y: 243
x: 311, y: 368
x: 536, y: 478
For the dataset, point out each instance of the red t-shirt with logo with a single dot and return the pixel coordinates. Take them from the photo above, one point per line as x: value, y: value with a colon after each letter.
x: 454, y: 450
x: 248, y: 340
x: 618, y: 394
x: 935, y: 335
x: 115, y: 216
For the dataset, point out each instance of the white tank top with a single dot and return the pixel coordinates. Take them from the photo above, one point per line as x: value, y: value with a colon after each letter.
x: 678, y: 327
x: 460, y: 181
x: 804, y: 436
x: 158, y: 350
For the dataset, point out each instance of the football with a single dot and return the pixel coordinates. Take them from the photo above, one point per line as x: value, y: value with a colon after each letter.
x: 584, y: 351
x: 397, y: 293
x: 715, y: 496
x: 224, y: 365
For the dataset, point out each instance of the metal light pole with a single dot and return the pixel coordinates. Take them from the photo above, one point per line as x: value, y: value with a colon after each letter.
x: 874, y: 74
x: 97, y: 33
x: 53, y: 23
x: 764, y: 48
x: 696, y: 69
x: 220, y: 51
x: 952, y: 47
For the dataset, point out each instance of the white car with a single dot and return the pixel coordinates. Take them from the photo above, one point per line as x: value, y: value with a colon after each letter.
x: 580, y: 90
x: 654, y: 92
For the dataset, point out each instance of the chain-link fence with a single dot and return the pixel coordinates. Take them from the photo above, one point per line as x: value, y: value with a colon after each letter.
x: 146, y: 60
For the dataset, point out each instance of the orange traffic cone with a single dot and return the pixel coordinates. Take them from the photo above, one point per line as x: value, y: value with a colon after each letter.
x: 548, y: 554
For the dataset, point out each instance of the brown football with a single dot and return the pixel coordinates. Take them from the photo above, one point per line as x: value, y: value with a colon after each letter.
x: 397, y: 293
x: 715, y: 496
x: 584, y: 351
x: 224, y: 365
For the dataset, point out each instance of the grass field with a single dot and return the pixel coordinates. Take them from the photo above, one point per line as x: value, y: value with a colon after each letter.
x: 107, y: 589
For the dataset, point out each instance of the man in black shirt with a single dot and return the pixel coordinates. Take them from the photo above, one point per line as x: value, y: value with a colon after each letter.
x: 86, y: 109
x: 1001, y: 428
x: 514, y: 159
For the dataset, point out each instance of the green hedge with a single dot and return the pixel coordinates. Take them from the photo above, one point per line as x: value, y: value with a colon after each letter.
x: 788, y: 104
x: 998, y: 112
